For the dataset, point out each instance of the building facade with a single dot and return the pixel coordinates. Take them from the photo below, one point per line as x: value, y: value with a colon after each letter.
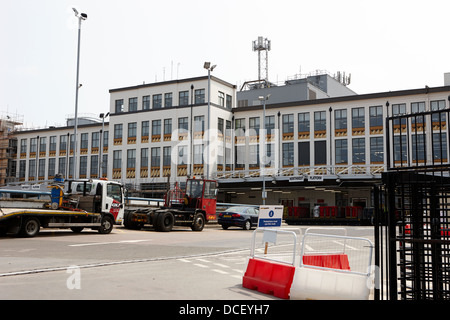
x: 321, y: 150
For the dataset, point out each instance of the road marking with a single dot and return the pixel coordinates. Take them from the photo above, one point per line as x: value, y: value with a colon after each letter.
x: 200, y: 265
x: 184, y: 260
x: 219, y: 271
x: 102, y: 243
x: 203, y: 260
x: 221, y: 265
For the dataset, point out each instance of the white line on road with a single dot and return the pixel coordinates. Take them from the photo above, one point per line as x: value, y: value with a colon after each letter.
x: 200, y: 265
x: 102, y: 243
x: 219, y: 271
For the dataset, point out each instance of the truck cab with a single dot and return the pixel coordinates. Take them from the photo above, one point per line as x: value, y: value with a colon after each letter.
x: 202, y: 194
x: 98, y: 195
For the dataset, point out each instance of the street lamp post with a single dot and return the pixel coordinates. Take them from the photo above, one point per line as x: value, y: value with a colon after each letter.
x: 263, y: 173
x: 209, y: 67
x: 80, y: 16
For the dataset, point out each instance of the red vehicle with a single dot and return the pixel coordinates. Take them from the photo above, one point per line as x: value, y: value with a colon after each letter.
x: 193, y: 207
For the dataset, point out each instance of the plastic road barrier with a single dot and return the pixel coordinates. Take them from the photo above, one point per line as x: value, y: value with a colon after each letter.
x: 321, y: 276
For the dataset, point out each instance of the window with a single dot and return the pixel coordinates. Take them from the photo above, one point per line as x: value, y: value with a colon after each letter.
x: 132, y: 128
x: 105, y: 139
x: 399, y: 109
x: 144, y: 157
x: 341, y: 151
x: 51, y: 167
x: 168, y: 100
x: 157, y: 101
x: 288, y: 154
x: 183, y: 125
x: 182, y: 155
x: 156, y: 128
x: 199, y: 123
x: 438, y: 105
x: 155, y: 157
x: 145, y: 102
x: 145, y: 129
x: 41, y: 169
x: 400, y: 148
x: 114, y: 191
x: 167, y: 126
x: 359, y: 150
x: 270, y: 124
x: 376, y: 150
x: 183, y: 98
x: 43, y: 143
x: 303, y: 153
x: 95, y: 139
x: 94, y: 165
x: 320, y: 152
x: 117, y: 159
x: 288, y: 123
x: 132, y: 104
x: 376, y: 116
x: 118, y: 131
x: 229, y: 101
x: 33, y: 145
x: 240, y: 127
x: 320, y: 122
x: 303, y: 122
x: 418, y: 147
x: 417, y: 107
x: 239, y: 156
x: 23, y: 145
x: 199, y: 96
x: 63, y: 143
x: 131, y: 159
x: 167, y: 160
x: 119, y: 106
x: 221, y: 99
x: 62, y: 166
x: 358, y: 119
x: 340, y: 119
x: 198, y: 154
x: 254, y: 156
x: 84, y: 141
x: 83, y: 166
x: 220, y: 127
x: 440, y: 147
x: 254, y: 126
x: 32, y: 168
x: 52, y: 145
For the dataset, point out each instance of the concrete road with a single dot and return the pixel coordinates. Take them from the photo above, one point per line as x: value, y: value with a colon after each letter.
x: 126, y: 264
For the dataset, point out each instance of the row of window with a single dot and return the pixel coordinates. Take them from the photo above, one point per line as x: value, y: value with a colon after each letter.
x: 341, y: 118
x: 59, y: 165
x: 39, y: 144
x: 159, y: 101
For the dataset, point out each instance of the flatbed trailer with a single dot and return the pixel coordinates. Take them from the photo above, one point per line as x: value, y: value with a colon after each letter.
x: 27, y: 222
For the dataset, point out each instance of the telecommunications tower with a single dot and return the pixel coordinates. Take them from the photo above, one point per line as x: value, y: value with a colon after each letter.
x: 262, y: 45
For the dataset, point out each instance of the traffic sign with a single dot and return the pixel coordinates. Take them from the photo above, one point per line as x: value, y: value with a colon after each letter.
x: 270, y: 216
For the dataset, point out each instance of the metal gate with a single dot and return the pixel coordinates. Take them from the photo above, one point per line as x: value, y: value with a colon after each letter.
x: 412, y: 211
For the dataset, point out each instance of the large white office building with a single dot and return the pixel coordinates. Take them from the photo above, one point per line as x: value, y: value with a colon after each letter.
x: 324, y: 144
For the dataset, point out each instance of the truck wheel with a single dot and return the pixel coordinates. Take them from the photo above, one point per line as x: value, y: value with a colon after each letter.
x: 127, y: 223
x: 107, y: 225
x: 165, y: 222
x: 199, y: 222
x: 30, y: 227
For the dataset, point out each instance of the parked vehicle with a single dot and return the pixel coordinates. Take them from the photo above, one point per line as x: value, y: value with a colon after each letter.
x: 239, y: 216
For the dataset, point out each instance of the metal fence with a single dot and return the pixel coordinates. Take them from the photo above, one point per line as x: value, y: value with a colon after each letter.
x: 412, y: 211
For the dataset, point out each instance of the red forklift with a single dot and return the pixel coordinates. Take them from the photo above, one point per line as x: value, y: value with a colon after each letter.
x: 192, y: 207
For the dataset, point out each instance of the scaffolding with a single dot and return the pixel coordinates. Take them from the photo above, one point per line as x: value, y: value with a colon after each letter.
x: 8, y: 147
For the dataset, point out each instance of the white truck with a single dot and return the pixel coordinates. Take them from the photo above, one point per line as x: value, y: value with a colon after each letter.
x: 96, y: 203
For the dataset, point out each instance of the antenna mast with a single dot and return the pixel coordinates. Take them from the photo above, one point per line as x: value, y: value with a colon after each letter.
x: 262, y: 45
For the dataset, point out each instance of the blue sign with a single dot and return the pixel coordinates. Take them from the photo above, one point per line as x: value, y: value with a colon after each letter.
x: 270, y: 216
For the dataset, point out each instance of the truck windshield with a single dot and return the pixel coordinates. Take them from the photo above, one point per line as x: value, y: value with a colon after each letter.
x: 194, y: 188
x: 114, y: 191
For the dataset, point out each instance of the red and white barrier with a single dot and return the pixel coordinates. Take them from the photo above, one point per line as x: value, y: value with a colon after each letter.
x: 317, y: 276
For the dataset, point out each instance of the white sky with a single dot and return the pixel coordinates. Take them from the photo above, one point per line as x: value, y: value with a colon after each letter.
x: 385, y: 45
